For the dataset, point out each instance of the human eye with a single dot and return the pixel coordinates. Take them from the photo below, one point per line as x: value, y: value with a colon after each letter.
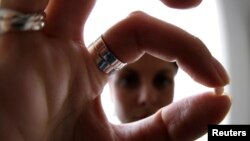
x: 162, y: 81
x: 129, y: 81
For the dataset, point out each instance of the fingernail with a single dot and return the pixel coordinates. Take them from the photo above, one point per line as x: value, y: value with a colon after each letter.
x: 221, y: 72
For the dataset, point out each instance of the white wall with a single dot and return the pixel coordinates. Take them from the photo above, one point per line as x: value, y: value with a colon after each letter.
x: 235, y: 17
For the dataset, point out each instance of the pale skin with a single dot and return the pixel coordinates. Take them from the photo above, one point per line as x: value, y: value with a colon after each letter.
x: 50, y: 86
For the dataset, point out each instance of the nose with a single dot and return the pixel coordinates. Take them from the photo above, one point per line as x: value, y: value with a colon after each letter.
x: 147, y: 95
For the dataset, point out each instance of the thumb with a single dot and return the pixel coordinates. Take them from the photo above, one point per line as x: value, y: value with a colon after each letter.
x: 183, y: 120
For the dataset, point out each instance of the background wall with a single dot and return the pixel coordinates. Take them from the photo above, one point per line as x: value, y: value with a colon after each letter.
x: 235, y: 19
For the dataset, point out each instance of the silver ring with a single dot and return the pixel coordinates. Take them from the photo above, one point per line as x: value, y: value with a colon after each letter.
x: 11, y: 20
x: 105, y: 61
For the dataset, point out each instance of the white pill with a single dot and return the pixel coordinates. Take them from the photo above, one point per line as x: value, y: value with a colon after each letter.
x: 219, y: 90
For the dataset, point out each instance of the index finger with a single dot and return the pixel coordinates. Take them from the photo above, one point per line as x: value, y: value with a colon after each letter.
x: 140, y: 33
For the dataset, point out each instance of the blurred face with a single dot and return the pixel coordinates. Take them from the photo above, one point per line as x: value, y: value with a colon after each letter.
x: 141, y: 88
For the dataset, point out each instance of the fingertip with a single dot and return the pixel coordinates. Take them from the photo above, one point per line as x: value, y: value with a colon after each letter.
x: 220, y: 103
x: 223, y: 105
x: 227, y: 99
x: 182, y: 4
x: 222, y: 73
x: 189, y: 117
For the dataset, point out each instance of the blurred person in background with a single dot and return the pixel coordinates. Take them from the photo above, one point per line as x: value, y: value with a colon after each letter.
x: 143, y: 87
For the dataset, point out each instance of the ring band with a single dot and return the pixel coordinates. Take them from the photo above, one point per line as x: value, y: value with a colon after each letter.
x: 105, y: 61
x: 11, y: 20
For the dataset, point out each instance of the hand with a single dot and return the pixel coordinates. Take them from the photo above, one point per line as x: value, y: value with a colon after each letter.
x: 50, y: 86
